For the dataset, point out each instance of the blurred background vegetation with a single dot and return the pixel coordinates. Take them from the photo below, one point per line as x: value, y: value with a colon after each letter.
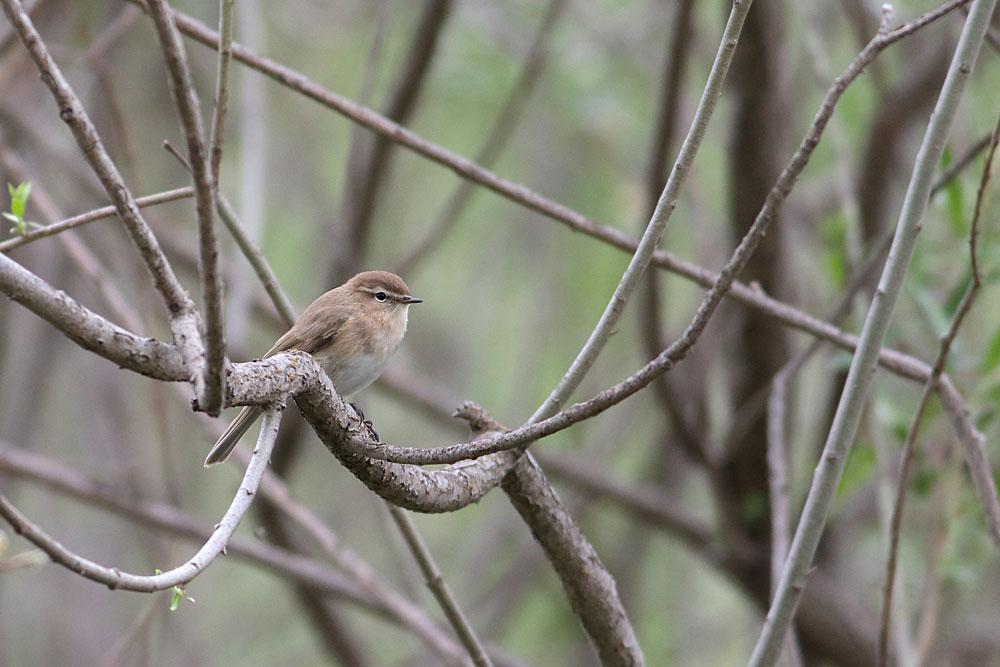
x: 510, y: 297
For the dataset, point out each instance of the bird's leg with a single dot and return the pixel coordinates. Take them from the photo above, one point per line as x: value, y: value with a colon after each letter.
x: 367, y: 423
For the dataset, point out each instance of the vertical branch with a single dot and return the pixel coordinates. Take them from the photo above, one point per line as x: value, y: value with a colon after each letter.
x: 862, y: 369
x: 189, y: 109
x: 221, y: 86
x: 115, y: 578
x: 971, y: 291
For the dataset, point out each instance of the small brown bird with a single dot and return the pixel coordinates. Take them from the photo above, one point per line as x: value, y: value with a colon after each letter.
x: 351, y: 331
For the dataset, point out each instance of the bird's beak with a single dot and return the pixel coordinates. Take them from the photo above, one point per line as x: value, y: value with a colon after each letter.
x: 411, y: 299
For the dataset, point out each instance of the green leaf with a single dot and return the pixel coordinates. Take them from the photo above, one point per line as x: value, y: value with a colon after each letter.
x: 955, y: 208
x: 11, y: 217
x: 858, y: 468
x: 992, y: 357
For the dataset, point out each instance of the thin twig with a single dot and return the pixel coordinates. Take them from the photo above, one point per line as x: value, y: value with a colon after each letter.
x: 852, y: 401
x: 221, y: 87
x: 654, y: 230
x: 92, y: 216
x: 211, y: 389
x: 435, y: 581
x: 364, y: 591
x: 963, y: 161
x: 250, y: 250
x: 909, y: 445
x: 114, y: 578
x: 491, y: 149
x: 722, y: 284
x: 184, y: 320
x: 259, y: 263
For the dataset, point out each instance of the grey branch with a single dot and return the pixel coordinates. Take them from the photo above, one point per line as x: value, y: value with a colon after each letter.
x: 360, y: 585
x: 114, y: 578
x: 92, y: 216
x: 845, y: 422
x: 210, y: 385
x: 89, y: 330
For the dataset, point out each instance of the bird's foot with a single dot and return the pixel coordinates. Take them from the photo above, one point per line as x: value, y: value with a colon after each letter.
x: 367, y: 423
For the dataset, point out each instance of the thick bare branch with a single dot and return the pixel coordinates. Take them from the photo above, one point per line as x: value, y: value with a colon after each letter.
x: 89, y: 330
x: 588, y: 584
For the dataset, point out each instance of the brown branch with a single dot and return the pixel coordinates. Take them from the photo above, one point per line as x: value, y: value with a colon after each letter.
x: 209, y: 386
x: 589, y: 586
x: 184, y: 319
x: 92, y: 216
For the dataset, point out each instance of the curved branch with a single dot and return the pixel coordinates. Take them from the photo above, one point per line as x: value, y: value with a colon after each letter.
x: 358, y: 585
x: 114, y: 578
x: 657, y: 223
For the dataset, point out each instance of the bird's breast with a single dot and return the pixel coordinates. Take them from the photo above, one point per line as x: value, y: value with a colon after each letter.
x: 352, y: 375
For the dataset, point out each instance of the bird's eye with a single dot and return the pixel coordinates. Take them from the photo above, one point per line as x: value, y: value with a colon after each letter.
x: 381, y: 296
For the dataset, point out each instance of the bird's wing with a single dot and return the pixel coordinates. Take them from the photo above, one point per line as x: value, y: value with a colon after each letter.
x: 310, y: 334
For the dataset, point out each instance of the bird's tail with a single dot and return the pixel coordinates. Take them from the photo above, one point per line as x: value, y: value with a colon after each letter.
x: 225, y: 444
